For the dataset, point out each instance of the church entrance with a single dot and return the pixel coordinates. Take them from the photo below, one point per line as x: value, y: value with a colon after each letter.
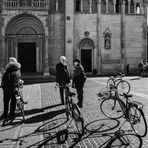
x: 86, y: 59
x: 27, y: 57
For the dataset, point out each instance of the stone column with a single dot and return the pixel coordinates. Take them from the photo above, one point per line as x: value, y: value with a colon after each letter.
x: 99, y: 36
x: 81, y: 5
x: 123, y: 52
x: 46, y: 65
x: 69, y: 14
x: 129, y: 6
x: 90, y: 6
x: 114, y: 1
x: 106, y: 6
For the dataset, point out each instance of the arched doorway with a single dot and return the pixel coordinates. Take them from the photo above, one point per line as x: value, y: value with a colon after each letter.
x: 25, y: 40
x: 86, y: 47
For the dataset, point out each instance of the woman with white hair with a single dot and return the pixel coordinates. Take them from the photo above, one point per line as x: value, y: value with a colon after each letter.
x: 9, y: 83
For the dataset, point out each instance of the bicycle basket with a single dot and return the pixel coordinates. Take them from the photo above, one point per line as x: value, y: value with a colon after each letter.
x: 137, y: 104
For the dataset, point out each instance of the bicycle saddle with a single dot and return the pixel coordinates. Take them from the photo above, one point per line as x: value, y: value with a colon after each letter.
x: 71, y: 94
x: 127, y: 95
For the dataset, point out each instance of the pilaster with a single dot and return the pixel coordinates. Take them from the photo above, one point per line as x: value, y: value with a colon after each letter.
x: 145, y: 44
x: 69, y: 14
x: 99, y: 35
x: 46, y: 64
x: 123, y: 50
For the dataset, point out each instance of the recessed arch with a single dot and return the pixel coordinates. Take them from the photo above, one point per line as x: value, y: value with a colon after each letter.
x: 25, y: 21
x: 86, y: 47
x: 25, y: 39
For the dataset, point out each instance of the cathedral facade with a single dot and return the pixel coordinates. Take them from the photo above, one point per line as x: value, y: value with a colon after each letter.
x: 105, y: 34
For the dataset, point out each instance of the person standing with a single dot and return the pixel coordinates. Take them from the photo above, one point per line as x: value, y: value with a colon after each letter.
x: 9, y: 83
x: 78, y: 80
x: 62, y: 76
x: 141, y: 68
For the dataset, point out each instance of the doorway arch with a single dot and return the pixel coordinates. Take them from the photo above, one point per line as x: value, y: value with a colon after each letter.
x: 86, y: 47
x: 25, y: 40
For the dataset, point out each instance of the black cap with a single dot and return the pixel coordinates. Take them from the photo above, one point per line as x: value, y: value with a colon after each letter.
x: 76, y: 60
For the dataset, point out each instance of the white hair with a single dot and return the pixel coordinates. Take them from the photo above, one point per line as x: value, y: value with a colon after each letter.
x: 62, y: 58
x: 12, y: 59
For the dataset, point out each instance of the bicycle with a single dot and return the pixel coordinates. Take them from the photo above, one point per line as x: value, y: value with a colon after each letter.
x: 122, y: 85
x: 114, y: 108
x: 19, y: 103
x: 72, y: 109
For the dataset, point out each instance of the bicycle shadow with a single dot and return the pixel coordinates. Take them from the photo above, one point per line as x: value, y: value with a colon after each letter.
x: 41, y: 130
x: 95, y: 128
x: 104, y: 132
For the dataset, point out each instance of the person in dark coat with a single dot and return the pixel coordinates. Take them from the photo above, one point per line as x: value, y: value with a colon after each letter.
x: 62, y: 76
x: 9, y: 84
x: 78, y: 81
x: 141, y: 68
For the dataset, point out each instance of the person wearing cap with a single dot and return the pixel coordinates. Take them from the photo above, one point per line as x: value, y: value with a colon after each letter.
x: 62, y: 76
x: 9, y: 83
x: 78, y: 80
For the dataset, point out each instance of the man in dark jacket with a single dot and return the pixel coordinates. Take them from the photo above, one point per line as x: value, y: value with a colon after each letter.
x: 62, y: 76
x: 79, y: 79
x: 9, y: 83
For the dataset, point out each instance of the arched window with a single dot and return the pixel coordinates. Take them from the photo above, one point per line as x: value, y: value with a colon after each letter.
x: 138, y: 8
x: 61, y: 5
x: 52, y: 5
x: 94, y: 6
x: 118, y: 6
x: 103, y: 6
x: 110, y: 6
x: 132, y: 6
x: 86, y: 6
x: 78, y: 5
x: 126, y: 6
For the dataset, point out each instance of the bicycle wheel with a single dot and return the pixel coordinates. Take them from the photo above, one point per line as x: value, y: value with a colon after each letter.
x: 110, y: 81
x: 125, y: 141
x: 20, y: 106
x: 138, y: 121
x: 123, y: 87
x: 111, y: 108
x: 79, y: 122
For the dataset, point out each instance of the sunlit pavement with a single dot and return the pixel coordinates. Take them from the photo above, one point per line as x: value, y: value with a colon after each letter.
x: 45, y: 116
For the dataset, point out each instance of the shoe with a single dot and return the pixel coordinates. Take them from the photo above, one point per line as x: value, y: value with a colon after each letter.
x: 80, y: 105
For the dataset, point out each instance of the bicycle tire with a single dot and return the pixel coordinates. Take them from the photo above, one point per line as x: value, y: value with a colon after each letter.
x: 123, y: 87
x: 138, y: 121
x: 125, y: 141
x: 111, y: 108
x: 110, y: 81
x: 79, y: 122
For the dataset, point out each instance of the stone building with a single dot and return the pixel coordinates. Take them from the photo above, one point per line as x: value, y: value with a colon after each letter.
x: 105, y: 34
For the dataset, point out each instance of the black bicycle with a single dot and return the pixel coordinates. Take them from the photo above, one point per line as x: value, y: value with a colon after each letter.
x: 113, y: 107
x: 72, y: 109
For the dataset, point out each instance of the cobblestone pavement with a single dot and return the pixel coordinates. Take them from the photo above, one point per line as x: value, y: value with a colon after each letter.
x: 45, y: 116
